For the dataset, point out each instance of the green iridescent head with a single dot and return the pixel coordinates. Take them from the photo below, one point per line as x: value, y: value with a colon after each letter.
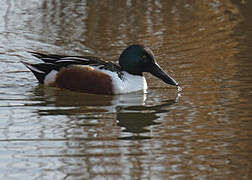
x: 137, y: 59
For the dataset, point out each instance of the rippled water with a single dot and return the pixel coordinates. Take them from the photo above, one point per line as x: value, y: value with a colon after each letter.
x: 200, y: 132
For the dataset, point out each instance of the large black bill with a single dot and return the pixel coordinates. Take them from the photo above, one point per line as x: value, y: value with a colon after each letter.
x: 159, y: 72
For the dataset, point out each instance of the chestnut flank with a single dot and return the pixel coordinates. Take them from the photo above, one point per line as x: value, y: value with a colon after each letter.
x: 84, y: 79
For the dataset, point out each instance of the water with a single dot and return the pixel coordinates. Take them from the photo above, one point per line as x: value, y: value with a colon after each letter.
x: 201, y: 130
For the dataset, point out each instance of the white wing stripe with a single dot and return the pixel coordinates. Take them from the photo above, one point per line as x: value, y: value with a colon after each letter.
x: 34, y: 69
x: 59, y: 61
x: 74, y: 58
x: 50, y: 59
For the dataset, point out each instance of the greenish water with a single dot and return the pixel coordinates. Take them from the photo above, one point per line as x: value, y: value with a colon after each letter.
x: 200, y: 132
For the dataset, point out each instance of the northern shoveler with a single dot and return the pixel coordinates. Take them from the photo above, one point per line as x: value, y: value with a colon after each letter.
x: 93, y: 75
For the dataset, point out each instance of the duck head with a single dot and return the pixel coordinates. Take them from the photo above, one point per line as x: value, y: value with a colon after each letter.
x: 137, y: 59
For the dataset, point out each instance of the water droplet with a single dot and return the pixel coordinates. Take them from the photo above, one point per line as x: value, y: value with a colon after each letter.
x: 178, y: 96
x: 179, y: 88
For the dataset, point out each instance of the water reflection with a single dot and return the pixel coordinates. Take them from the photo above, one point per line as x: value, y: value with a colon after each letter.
x: 64, y: 98
x: 132, y: 112
x: 137, y: 119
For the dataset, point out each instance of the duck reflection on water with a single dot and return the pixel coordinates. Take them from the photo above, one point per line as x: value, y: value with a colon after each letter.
x: 134, y: 113
x: 139, y: 119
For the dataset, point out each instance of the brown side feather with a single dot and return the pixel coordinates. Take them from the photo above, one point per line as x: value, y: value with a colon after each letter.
x: 84, y: 79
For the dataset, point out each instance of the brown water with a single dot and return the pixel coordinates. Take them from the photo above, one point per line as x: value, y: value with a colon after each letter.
x: 201, y: 132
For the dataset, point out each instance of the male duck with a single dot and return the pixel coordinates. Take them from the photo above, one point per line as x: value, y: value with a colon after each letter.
x: 92, y: 75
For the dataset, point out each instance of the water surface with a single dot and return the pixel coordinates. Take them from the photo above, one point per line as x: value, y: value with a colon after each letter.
x: 201, y: 132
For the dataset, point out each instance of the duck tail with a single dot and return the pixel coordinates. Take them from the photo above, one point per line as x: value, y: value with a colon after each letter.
x: 38, y: 70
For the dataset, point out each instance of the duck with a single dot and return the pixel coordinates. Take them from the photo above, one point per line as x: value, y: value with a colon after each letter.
x: 94, y: 75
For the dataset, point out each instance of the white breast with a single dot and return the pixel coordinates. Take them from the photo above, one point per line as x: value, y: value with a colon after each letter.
x: 129, y: 83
